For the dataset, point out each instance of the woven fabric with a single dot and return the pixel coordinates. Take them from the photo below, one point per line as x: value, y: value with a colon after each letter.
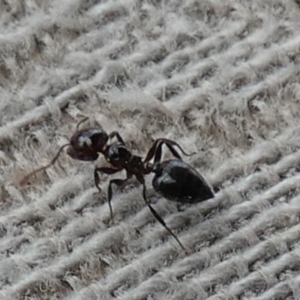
x: 221, y: 78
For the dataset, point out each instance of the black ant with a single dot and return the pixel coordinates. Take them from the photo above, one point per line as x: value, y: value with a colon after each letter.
x: 174, y: 179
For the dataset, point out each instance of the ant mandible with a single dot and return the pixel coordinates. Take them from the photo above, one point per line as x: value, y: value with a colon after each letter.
x: 174, y: 179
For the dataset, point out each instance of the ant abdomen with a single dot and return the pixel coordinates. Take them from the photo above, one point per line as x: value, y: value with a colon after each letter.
x: 175, y: 180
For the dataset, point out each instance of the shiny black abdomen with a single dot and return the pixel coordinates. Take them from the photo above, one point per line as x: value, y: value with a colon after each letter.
x: 177, y: 181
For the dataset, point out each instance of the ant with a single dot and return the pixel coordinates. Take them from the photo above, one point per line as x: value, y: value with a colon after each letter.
x: 174, y: 179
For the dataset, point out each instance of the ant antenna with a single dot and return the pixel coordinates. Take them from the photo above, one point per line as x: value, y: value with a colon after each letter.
x: 24, y: 179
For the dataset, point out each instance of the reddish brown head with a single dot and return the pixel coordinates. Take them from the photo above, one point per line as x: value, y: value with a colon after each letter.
x: 86, y: 144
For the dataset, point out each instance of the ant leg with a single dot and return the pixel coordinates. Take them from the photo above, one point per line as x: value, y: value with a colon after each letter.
x: 156, y: 150
x: 108, y: 171
x: 170, y: 144
x: 117, y: 135
x: 151, y: 152
x: 157, y: 216
x: 119, y: 183
x: 104, y: 170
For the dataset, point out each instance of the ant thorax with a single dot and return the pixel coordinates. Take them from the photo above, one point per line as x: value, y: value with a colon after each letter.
x: 117, y: 152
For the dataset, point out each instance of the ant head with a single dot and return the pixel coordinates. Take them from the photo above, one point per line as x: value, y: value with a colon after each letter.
x: 86, y: 144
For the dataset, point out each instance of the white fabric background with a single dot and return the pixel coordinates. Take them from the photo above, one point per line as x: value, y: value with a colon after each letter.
x: 219, y: 77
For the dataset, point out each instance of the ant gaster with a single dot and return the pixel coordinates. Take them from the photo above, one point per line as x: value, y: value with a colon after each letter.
x: 174, y: 179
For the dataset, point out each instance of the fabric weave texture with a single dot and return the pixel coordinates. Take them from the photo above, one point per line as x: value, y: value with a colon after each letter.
x: 221, y: 78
